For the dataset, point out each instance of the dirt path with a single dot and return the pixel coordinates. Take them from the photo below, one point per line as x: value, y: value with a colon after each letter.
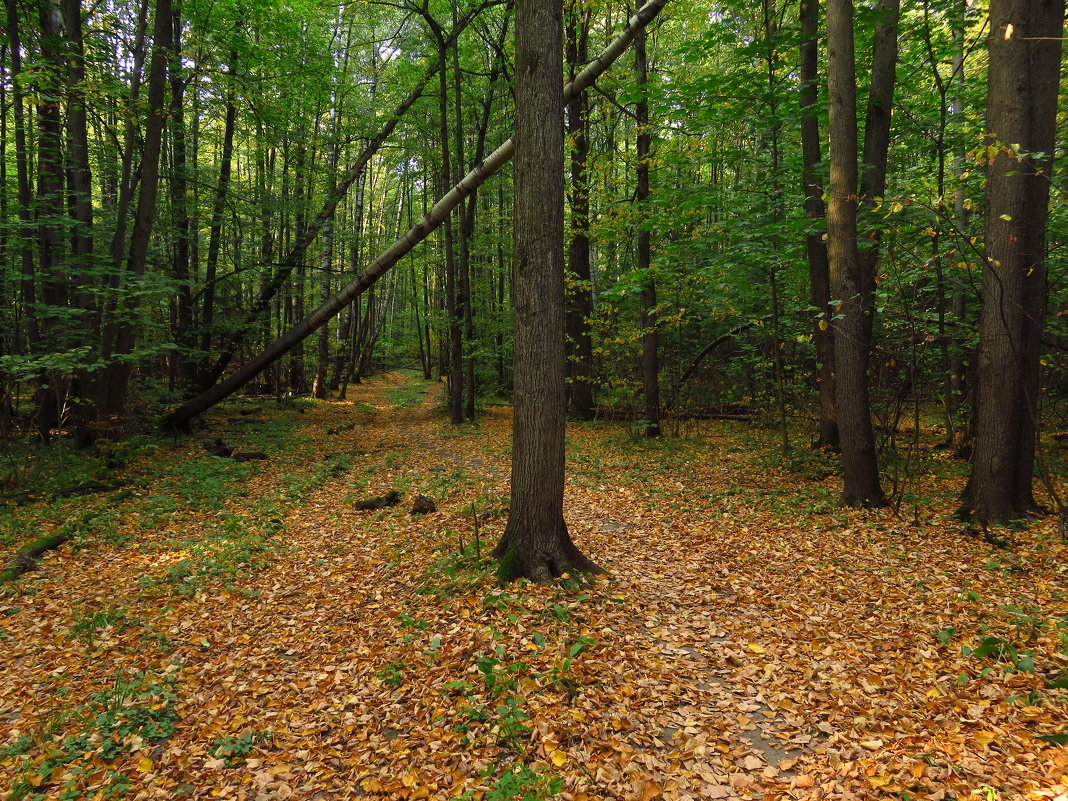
x: 744, y: 647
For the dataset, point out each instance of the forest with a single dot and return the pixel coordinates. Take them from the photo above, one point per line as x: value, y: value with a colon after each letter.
x: 530, y: 399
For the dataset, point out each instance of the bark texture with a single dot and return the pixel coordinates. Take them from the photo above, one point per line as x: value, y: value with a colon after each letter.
x: 860, y: 468
x: 535, y: 543
x: 1025, y: 53
x: 815, y: 246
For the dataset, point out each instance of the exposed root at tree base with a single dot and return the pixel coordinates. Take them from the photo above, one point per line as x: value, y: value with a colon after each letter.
x: 541, y: 562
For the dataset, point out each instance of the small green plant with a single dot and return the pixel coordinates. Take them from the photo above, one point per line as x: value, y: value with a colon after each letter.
x: 137, y: 707
x: 519, y: 782
x: 946, y: 635
x: 86, y: 626
x: 510, y: 728
x: 392, y: 674
x: 1003, y: 651
x: 233, y: 750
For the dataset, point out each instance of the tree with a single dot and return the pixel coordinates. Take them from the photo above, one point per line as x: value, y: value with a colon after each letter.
x: 433, y: 218
x: 815, y: 246
x: 1025, y: 56
x: 536, y: 543
x: 580, y: 295
x: 860, y: 468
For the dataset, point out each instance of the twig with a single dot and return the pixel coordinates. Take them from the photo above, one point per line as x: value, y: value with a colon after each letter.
x: 478, y: 543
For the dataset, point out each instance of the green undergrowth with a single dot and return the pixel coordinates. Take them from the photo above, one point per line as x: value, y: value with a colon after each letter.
x: 179, y: 490
x: 103, y: 735
x: 490, y: 703
x: 409, y: 394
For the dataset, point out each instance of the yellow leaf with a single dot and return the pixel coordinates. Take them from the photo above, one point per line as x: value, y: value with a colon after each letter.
x: 144, y: 764
x: 755, y: 648
x: 823, y: 325
x: 558, y: 758
x: 984, y: 738
x: 878, y: 781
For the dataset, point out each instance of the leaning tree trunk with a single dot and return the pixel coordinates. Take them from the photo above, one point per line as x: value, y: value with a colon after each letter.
x: 353, y: 173
x: 535, y: 543
x: 860, y: 468
x: 431, y: 220
x: 1025, y: 53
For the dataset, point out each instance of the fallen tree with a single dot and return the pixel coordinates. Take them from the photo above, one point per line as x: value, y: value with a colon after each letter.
x: 179, y: 419
x: 299, y: 249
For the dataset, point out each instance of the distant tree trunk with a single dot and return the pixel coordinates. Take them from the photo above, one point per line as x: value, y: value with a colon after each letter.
x: 469, y: 210
x: 815, y: 245
x: 222, y: 189
x: 463, y: 356
x: 117, y: 374
x: 453, y: 311
x: 650, y: 334
x: 302, y: 180
x: 81, y: 180
x: 955, y: 381
x: 28, y: 289
x: 580, y: 298
x: 876, y: 145
x: 778, y: 212
x: 1025, y: 56
x: 182, y: 222
x: 326, y: 255
x: 860, y: 468
x: 536, y: 543
x: 433, y: 218
x: 326, y: 260
x: 51, y: 223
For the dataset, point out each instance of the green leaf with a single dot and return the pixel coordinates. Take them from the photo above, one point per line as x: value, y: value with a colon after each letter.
x: 1060, y: 738
x: 1060, y: 683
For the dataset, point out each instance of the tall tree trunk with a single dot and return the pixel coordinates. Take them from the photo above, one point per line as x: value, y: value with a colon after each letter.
x: 815, y: 245
x: 647, y: 319
x: 117, y: 373
x: 108, y: 319
x: 50, y: 210
x: 326, y: 261
x: 580, y: 297
x: 860, y: 469
x: 469, y: 210
x: 876, y: 145
x: 778, y: 212
x: 183, y: 224
x: 433, y: 218
x: 955, y: 380
x: 222, y: 189
x: 536, y: 543
x: 28, y: 290
x: 81, y: 180
x: 1025, y: 56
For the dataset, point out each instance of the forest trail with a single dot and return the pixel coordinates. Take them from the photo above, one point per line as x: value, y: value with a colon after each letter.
x: 753, y: 641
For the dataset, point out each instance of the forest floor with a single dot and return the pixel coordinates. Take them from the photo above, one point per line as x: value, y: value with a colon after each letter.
x: 240, y: 631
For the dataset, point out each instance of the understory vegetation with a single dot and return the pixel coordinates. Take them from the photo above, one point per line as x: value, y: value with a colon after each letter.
x: 240, y: 628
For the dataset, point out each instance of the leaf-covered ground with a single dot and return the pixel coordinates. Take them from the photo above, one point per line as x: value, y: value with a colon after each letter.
x: 241, y: 631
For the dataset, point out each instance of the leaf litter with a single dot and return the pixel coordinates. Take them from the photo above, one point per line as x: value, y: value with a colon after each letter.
x: 750, y: 643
